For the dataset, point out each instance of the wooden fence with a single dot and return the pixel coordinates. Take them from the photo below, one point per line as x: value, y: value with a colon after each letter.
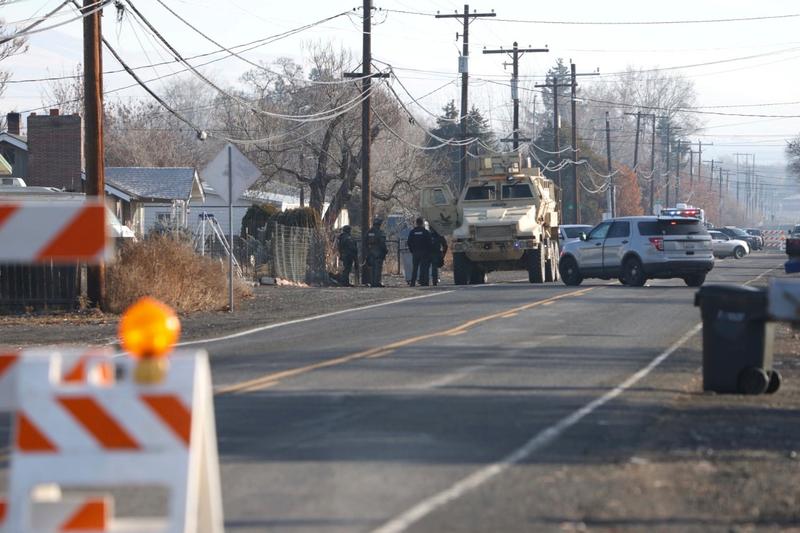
x: 48, y: 287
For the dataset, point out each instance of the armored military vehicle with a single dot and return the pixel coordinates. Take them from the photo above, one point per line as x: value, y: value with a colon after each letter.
x: 506, y: 218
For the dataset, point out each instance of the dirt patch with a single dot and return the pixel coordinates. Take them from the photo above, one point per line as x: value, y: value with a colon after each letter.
x: 677, y: 459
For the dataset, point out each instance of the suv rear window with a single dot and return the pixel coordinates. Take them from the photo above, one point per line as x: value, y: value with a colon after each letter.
x: 672, y: 227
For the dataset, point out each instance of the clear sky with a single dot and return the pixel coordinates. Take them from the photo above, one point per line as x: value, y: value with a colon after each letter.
x: 424, y: 50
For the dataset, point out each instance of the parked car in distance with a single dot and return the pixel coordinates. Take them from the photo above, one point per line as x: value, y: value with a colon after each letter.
x: 635, y: 249
x: 738, y: 233
x: 571, y: 232
x: 759, y: 237
x: 725, y: 246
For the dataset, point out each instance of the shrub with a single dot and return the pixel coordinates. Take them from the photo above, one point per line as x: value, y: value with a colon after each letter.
x: 257, y: 217
x: 302, y: 217
x: 171, y: 271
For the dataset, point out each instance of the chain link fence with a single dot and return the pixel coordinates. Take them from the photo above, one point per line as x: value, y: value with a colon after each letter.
x: 297, y: 254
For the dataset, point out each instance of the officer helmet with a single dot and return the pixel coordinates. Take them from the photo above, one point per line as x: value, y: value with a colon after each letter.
x: 378, y: 221
x: 346, y: 229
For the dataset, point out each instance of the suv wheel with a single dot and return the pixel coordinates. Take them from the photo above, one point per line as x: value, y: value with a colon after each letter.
x: 536, y: 265
x: 738, y: 252
x: 570, y: 274
x: 633, y: 272
x: 694, y: 280
x: 462, y: 268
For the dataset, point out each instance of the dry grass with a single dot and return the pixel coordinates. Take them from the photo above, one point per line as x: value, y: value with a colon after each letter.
x: 171, y: 271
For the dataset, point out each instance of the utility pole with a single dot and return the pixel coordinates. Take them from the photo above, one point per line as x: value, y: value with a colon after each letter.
x: 691, y: 166
x: 557, y: 142
x: 711, y: 178
x: 366, y: 86
x: 93, y: 137
x: 638, y: 116
x: 753, y: 180
x: 677, y: 171
x: 653, y: 164
x: 572, y: 215
x: 574, y: 119
x: 515, y: 54
x: 720, y: 194
x: 611, y: 193
x: 666, y: 171
x: 700, y: 161
x: 463, y: 68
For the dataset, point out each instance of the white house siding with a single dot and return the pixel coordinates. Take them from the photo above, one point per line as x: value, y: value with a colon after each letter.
x: 153, y: 210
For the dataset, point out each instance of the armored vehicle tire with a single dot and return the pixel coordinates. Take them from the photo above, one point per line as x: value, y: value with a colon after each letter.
x: 462, y: 269
x: 477, y: 276
x: 739, y: 252
x: 621, y: 280
x: 570, y: 274
x: 536, y: 265
x: 551, y: 268
x: 694, y: 280
x: 633, y: 272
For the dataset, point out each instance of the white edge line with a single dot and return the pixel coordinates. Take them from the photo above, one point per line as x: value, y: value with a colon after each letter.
x: 309, y: 318
x: 541, y: 439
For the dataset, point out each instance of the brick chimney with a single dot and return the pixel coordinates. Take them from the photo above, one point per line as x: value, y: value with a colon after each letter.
x: 12, y: 119
x: 55, y: 151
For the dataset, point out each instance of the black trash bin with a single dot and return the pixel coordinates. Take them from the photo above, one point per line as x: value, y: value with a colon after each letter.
x: 737, y: 340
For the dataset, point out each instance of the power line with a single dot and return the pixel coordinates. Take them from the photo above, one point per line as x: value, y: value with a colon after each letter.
x: 324, y: 115
x: 618, y: 23
x: 251, y: 45
x: 30, y: 30
x: 237, y: 55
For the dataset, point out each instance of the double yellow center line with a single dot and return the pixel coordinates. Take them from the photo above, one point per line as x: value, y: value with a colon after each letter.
x: 272, y: 379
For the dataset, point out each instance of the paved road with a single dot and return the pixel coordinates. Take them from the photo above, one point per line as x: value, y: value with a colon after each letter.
x: 442, y: 412
x: 418, y: 415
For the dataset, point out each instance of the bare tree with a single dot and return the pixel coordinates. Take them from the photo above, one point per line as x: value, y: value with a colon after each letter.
x: 65, y: 93
x: 322, y: 149
x: 145, y: 134
x: 8, y: 47
x: 648, y: 91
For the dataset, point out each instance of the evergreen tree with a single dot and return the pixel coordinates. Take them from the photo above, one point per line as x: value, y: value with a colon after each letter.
x: 448, y: 128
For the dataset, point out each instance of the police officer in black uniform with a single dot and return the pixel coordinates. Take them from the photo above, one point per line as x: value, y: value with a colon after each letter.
x: 438, y: 253
x: 376, y: 252
x: 348, y: 253
x: 420, y: 245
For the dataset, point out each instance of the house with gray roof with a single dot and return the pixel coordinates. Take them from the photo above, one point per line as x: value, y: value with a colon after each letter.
x: 14, y: 149
x: 146, y: 197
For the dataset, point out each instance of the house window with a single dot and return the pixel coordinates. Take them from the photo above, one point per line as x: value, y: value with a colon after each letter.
x: 164, y: 218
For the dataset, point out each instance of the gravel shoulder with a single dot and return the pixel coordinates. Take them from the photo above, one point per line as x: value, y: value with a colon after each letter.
x: 697, y: 462
x: 269, y: 304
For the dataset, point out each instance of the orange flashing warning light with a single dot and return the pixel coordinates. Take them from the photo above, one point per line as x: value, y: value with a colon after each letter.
x: 149, y: 329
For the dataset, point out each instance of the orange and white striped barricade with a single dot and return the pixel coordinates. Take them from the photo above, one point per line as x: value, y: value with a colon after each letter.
x: 60, y: 232
x: 8, y: 379
x: 53, y: 512
x: 774, y: 239
x: 76, y: 364
x: 97, y: 433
